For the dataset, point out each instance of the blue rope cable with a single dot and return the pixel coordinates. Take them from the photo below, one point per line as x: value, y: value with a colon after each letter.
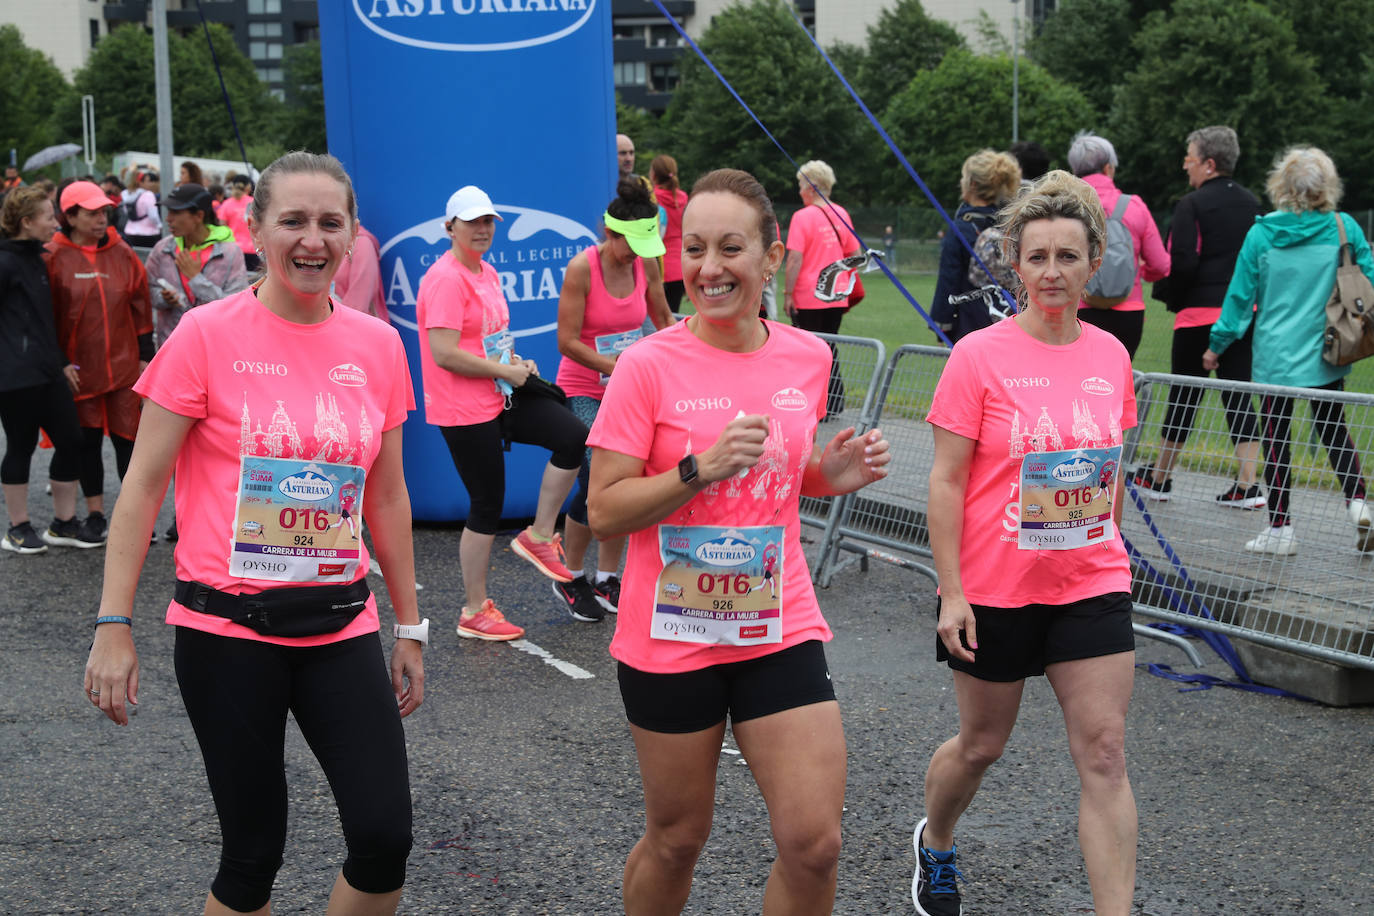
x: 877, y: 125
x: 205, y: 26
x: 731, y: 89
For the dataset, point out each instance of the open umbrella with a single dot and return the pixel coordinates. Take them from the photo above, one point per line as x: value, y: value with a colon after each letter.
x: 50, y: 155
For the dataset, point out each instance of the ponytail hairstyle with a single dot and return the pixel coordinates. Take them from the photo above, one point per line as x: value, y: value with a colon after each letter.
x: 663, y: 172
x: 747, y: 188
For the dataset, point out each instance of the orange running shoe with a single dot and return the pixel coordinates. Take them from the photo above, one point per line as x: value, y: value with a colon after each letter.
x: 547, y: 556
x: 488, y: 623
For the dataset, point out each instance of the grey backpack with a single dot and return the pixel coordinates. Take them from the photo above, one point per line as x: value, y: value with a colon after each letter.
x: 1115, y: 279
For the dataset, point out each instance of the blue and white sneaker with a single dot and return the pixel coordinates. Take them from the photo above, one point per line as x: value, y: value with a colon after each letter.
x: 934, y: 886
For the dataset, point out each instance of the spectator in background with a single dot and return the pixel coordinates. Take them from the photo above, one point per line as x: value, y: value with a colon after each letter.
x: 232, y: 214
x: 987, y: 181
x: 889, y: 245
x: 12, y: 179
x: 1208, y: 229
x: 113, y: 188
x: 671, y: 200
x: 817, y: 237
x: 1093, y: 159
x: 142, y: 224
x: 190, y: 174
x: 1283, y: 277
x: 358, y: 284
x: 48, y: 187
x: 216, y: 197
x: 1033, y: 159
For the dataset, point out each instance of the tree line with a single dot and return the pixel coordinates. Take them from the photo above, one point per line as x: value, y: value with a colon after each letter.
x: 1143, y: 73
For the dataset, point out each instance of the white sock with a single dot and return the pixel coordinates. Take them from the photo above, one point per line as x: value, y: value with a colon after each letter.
x: 602, y: 575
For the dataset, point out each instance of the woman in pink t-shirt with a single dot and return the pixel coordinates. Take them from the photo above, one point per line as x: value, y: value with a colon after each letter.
x: 607, y: 291
x: 280, y: 410
x: 702, y: 449
x: 1028, y: 418
x: 233, y: 212
x: 673, y: 200
x: 473, y: 377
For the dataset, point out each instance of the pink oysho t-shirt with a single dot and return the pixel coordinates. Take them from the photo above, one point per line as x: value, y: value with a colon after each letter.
x: 232, y: 212
x: 451, y: 296
x: 1014, y: 395
x: 259, y: 385
x: 604, y: 315
x: 816, y: 233
x: 670, y: 396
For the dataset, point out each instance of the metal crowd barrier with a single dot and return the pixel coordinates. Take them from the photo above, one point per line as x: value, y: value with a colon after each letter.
x: 1193, y: 567
x: 861, y: 364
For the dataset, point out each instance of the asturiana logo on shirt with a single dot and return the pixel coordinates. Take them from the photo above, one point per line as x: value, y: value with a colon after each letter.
x: 1098, y: 385
x: 306, y: 485
x: 790, y: 399
x: 1075, y: 470
x: 726, y: 550
x: 349, y: 374
x: 473, y: 25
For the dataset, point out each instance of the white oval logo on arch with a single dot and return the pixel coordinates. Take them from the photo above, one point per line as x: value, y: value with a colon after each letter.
x: 473, y: 25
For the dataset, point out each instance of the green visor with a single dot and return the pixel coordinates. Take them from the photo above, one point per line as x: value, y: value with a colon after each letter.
x: 642, y: 234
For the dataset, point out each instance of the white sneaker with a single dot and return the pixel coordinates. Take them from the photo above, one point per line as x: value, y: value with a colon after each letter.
x: 1363, y: 517
x: 1281, y: 541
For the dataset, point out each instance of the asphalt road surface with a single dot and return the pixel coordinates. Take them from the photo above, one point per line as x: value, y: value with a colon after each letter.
x: 526, y: 792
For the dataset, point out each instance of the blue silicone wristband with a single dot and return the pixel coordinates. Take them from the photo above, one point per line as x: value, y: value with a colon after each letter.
x: 127, y: 621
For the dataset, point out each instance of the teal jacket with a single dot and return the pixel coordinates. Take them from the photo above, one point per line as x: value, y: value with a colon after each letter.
x: 1287, y: 266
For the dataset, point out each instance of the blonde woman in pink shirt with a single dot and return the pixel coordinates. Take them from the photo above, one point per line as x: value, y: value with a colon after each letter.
x: 1028, y: 417
x: 701, y: 451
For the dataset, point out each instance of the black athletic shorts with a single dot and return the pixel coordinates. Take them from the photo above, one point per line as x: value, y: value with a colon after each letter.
x: 1018, y: 642
x: 696, y: 700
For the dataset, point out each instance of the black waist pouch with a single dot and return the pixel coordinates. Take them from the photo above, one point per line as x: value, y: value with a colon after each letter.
x: 307, y: 610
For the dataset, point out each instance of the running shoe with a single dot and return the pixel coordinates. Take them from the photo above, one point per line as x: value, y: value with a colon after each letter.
x: 488, y: 623
x: 1144, y: 478
x: 171, y: 533
x: 1239, y: 497
x: 608, y: 594
x: 934, y: 886
x: 581, y: 601
x: 1363, y: 518
x: 1281, y: 541
x: 21, y: 538
x: 547, y: 556
x: 71, y: 533
x: 95, y: 527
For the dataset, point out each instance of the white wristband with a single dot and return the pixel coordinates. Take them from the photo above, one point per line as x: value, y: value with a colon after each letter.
x: 418, y: 632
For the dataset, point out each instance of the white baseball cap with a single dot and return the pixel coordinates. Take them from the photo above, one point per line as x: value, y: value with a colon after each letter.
x: 468, y: 203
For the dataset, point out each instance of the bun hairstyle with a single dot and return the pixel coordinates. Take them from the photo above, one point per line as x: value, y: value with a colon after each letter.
x: 991, y: 176
x: 632, y: 200
x: 1058, y: 195
x: 663, y: 172
x: 747, y: 188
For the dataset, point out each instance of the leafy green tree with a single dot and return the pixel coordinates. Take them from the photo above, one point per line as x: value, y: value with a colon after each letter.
x: 119, y: 74
x: 780, y: 75
x: 1211, y: 62
x: 964, y: 105
x: 31, y: 91
x: 902, y: 42
x: 303, y: 113
x: 1087, y: 43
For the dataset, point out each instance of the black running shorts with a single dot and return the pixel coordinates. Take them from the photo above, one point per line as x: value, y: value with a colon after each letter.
x: 696, y: 700
x: 1018, y: 642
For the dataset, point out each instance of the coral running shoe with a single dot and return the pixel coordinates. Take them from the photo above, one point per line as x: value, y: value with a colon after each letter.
x: 547, y: 556
x: 488, y: 623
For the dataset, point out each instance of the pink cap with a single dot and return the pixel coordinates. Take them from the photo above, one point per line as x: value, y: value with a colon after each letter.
x: 84, y: 194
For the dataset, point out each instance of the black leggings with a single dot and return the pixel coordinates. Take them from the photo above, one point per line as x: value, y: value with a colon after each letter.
x: 237, y: 693
x: 672, y: 291
x: 22, y: 412
x: 826, y: 321
x: 1234, y: 364
x: 478, y: 452
x: 1127, y: 327
x: 1329, y: 419
x: 93, y: 462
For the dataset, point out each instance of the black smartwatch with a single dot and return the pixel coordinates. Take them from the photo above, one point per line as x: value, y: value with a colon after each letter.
x: 687, y: 469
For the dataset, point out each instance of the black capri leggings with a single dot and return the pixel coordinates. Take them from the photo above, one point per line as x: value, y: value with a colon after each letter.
x: 1127, y: 327
x: 478, y: 452
x: 826, y: 321
x: 1329, y: 419
x: 1234, y: 365
x: 237, y: 693
x: 22, y: 412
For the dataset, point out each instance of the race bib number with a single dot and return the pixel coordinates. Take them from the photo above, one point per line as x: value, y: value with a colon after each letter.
x: 719, y: 586
x: 1067, y: 498
x: 615, y: 344
x: 496, y: 344
x: 297, y: 521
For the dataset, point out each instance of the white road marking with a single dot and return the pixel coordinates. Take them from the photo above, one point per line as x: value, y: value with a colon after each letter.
x: 568, y: 668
